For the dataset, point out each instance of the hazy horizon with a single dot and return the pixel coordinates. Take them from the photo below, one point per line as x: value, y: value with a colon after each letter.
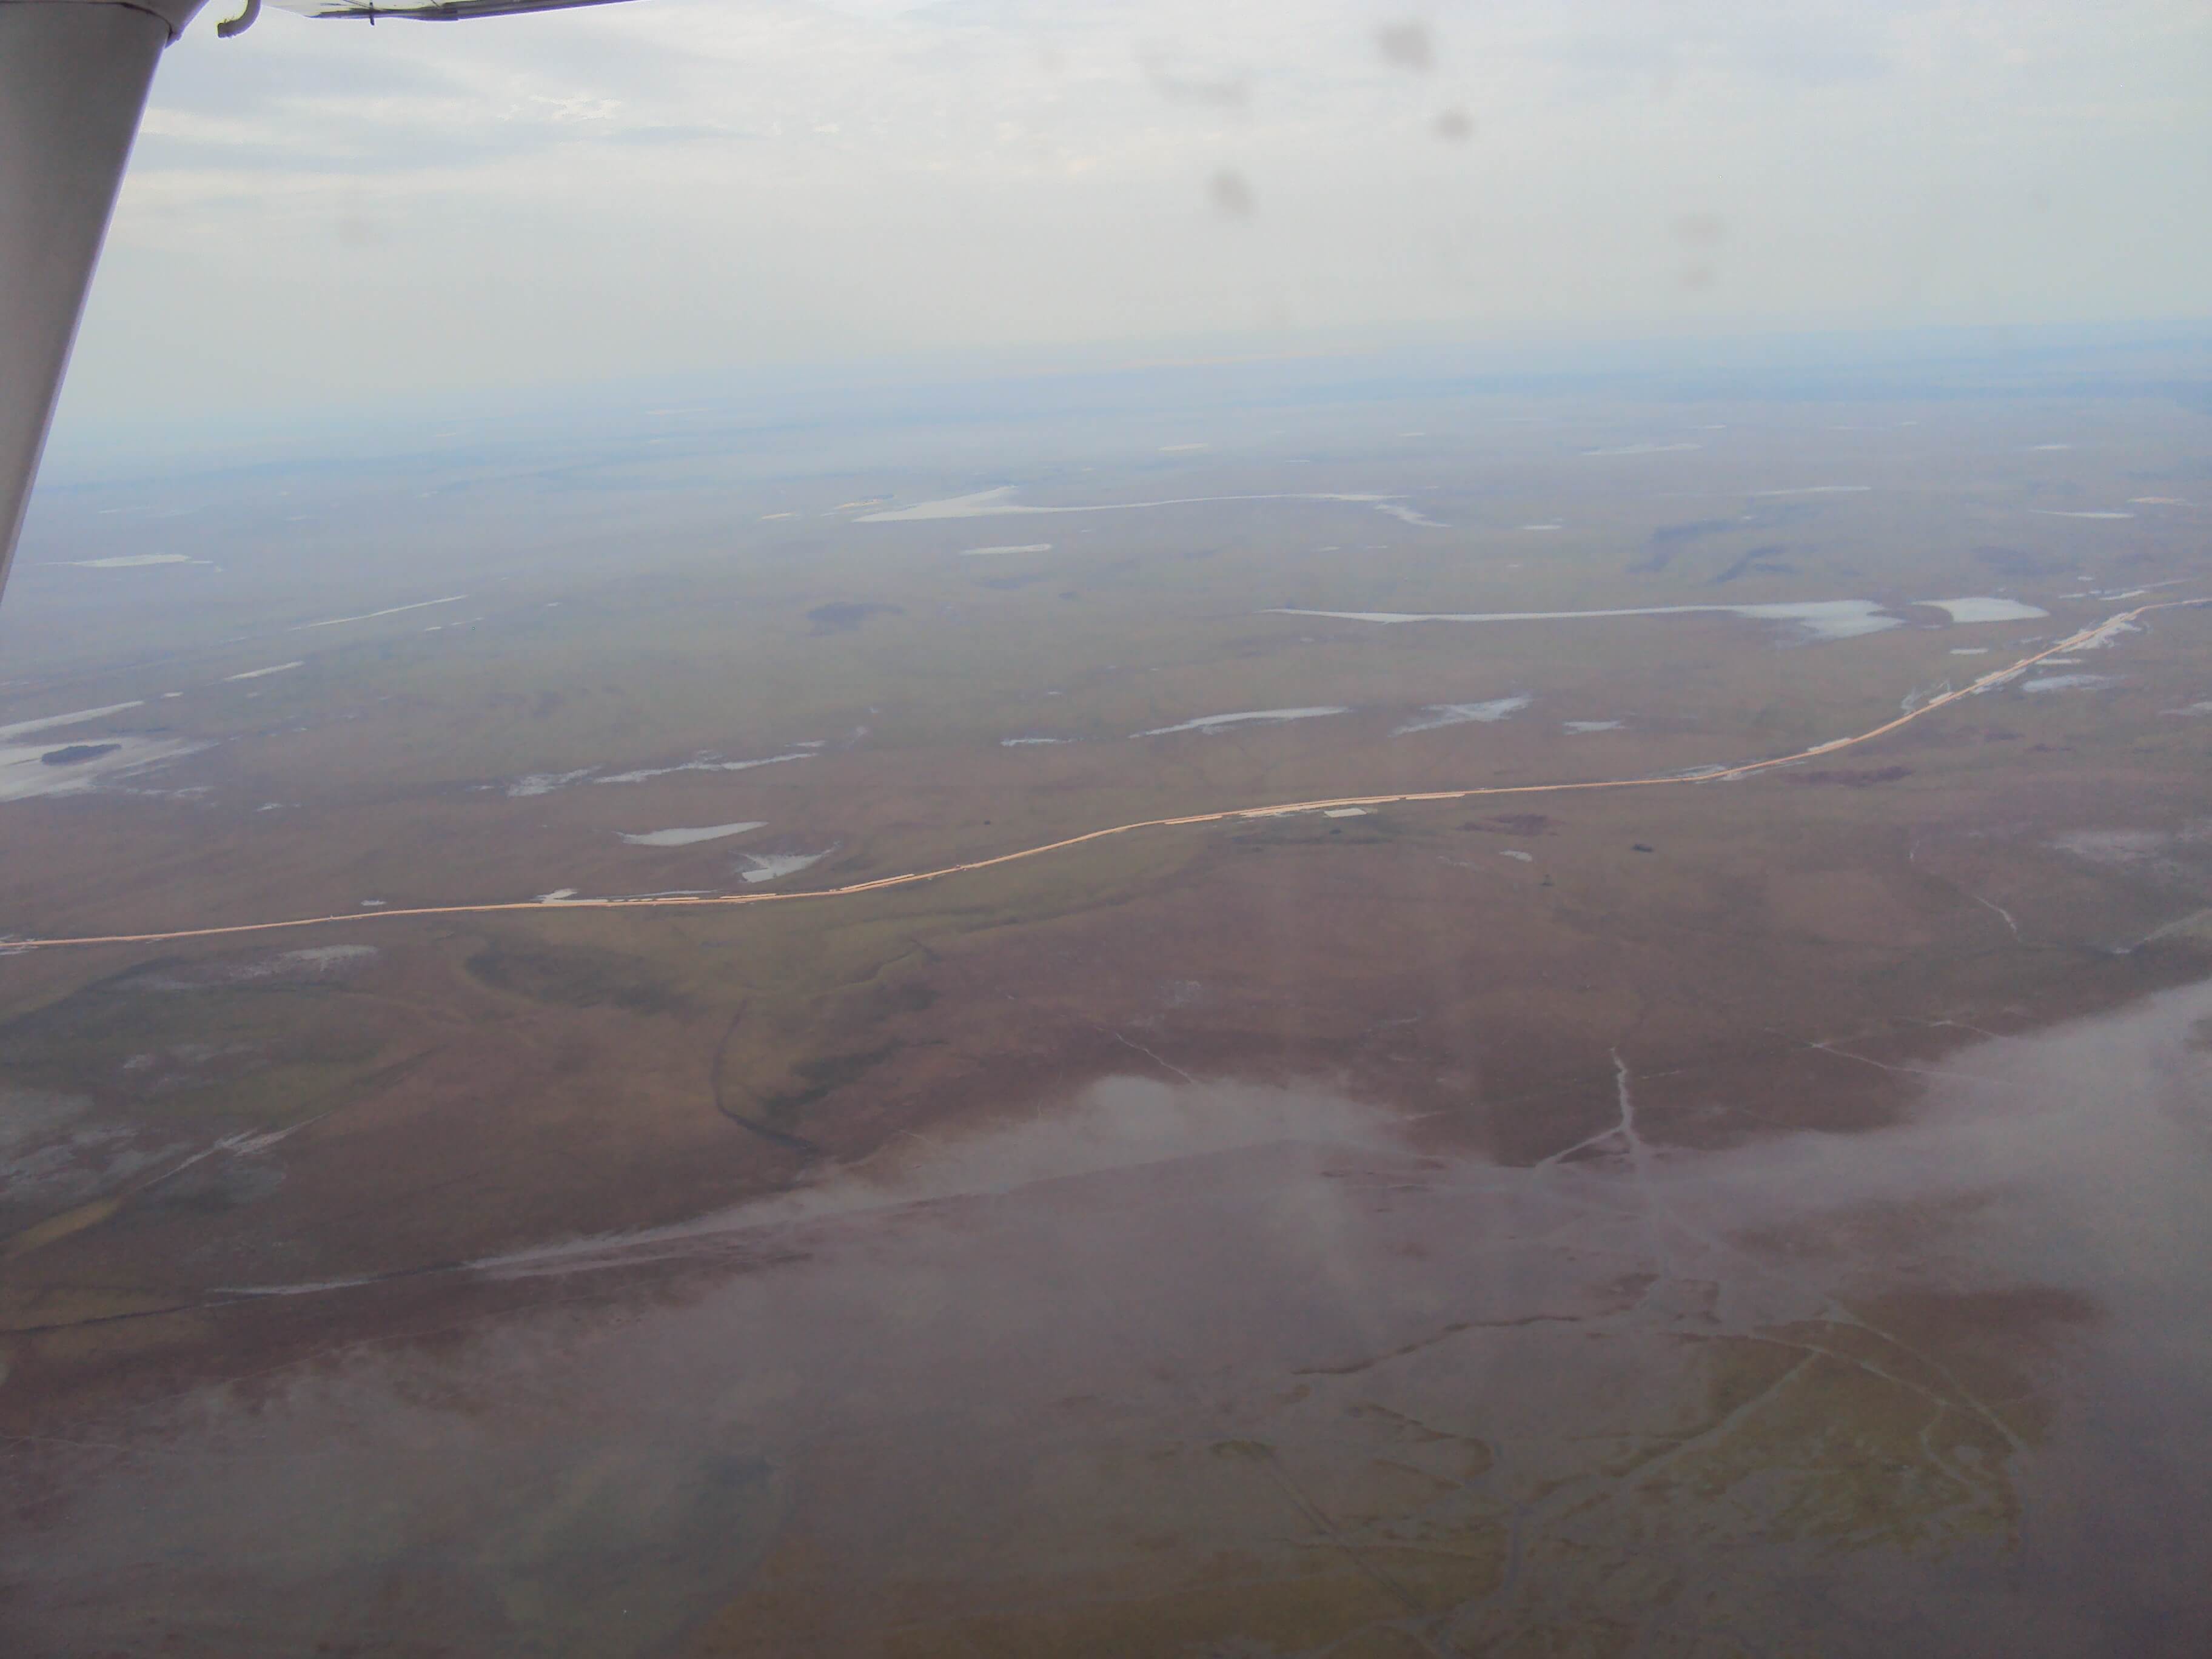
x: 325, y: 217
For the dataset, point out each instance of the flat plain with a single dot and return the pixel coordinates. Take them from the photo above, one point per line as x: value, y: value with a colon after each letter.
x: 1743, y: 1216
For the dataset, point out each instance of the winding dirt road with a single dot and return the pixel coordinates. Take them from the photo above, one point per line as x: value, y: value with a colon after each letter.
x: 2086, y: 638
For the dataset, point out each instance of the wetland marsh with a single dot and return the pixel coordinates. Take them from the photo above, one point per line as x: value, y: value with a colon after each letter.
x: 1754, y: 1217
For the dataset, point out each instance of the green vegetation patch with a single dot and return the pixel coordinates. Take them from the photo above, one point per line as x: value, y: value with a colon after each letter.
x: 575, y: 977
x: 255, y: 1053
x: 816, y: 1079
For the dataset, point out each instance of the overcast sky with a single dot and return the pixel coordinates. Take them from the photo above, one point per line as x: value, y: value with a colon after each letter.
x: 320, y: 213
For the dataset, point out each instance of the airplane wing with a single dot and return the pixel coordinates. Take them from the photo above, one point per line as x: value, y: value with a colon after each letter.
x: 430, y: 11
x: 73, y: 76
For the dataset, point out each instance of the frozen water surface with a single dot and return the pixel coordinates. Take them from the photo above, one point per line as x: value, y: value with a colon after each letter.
x: 1258, y: 716
x: 1985, y: 609
x: 1462, y: 713
x: 689, y: 838
x: 1823, y: 619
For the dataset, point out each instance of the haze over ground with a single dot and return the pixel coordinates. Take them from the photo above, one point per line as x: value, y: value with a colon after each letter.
x: 319, y: 213
x: 925, y: 831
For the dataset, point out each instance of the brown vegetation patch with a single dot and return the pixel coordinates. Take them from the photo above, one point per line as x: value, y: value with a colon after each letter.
x: 574, y: 975
x: 1850, y: 779
x: 1511, y: 823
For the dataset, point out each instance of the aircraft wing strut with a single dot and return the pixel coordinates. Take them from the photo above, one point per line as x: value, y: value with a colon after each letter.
x: 73, y: 76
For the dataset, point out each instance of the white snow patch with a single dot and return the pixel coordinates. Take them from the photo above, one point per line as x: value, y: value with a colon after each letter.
x: 979, y: 504
x: 390, y: 611
x: 2122, y: 846
x: 1002, y: 552
x: 1409, y: 516
x: 993, y: 503
x: 1461, y: 713
x: 1824, y: 619
x: 1642, y: 449
x: 2103, y: 635
x: 1516, y: 852
x: 1029, y: 743
x: 640, y: 776
x: 1816, y: 489
x: 24, y: 773
x: 1211, y: 723
x: 257, y: 674
x: 2068, y: 683
x: 1346, y: 812
x: 1580, y: 727
x: 2058, y: 512
x: 315, y: 959
x: 47, y: 723
x: 769, y: 866
x: 545, y: 783
x: 131, y: 560
x: 689, y: 837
